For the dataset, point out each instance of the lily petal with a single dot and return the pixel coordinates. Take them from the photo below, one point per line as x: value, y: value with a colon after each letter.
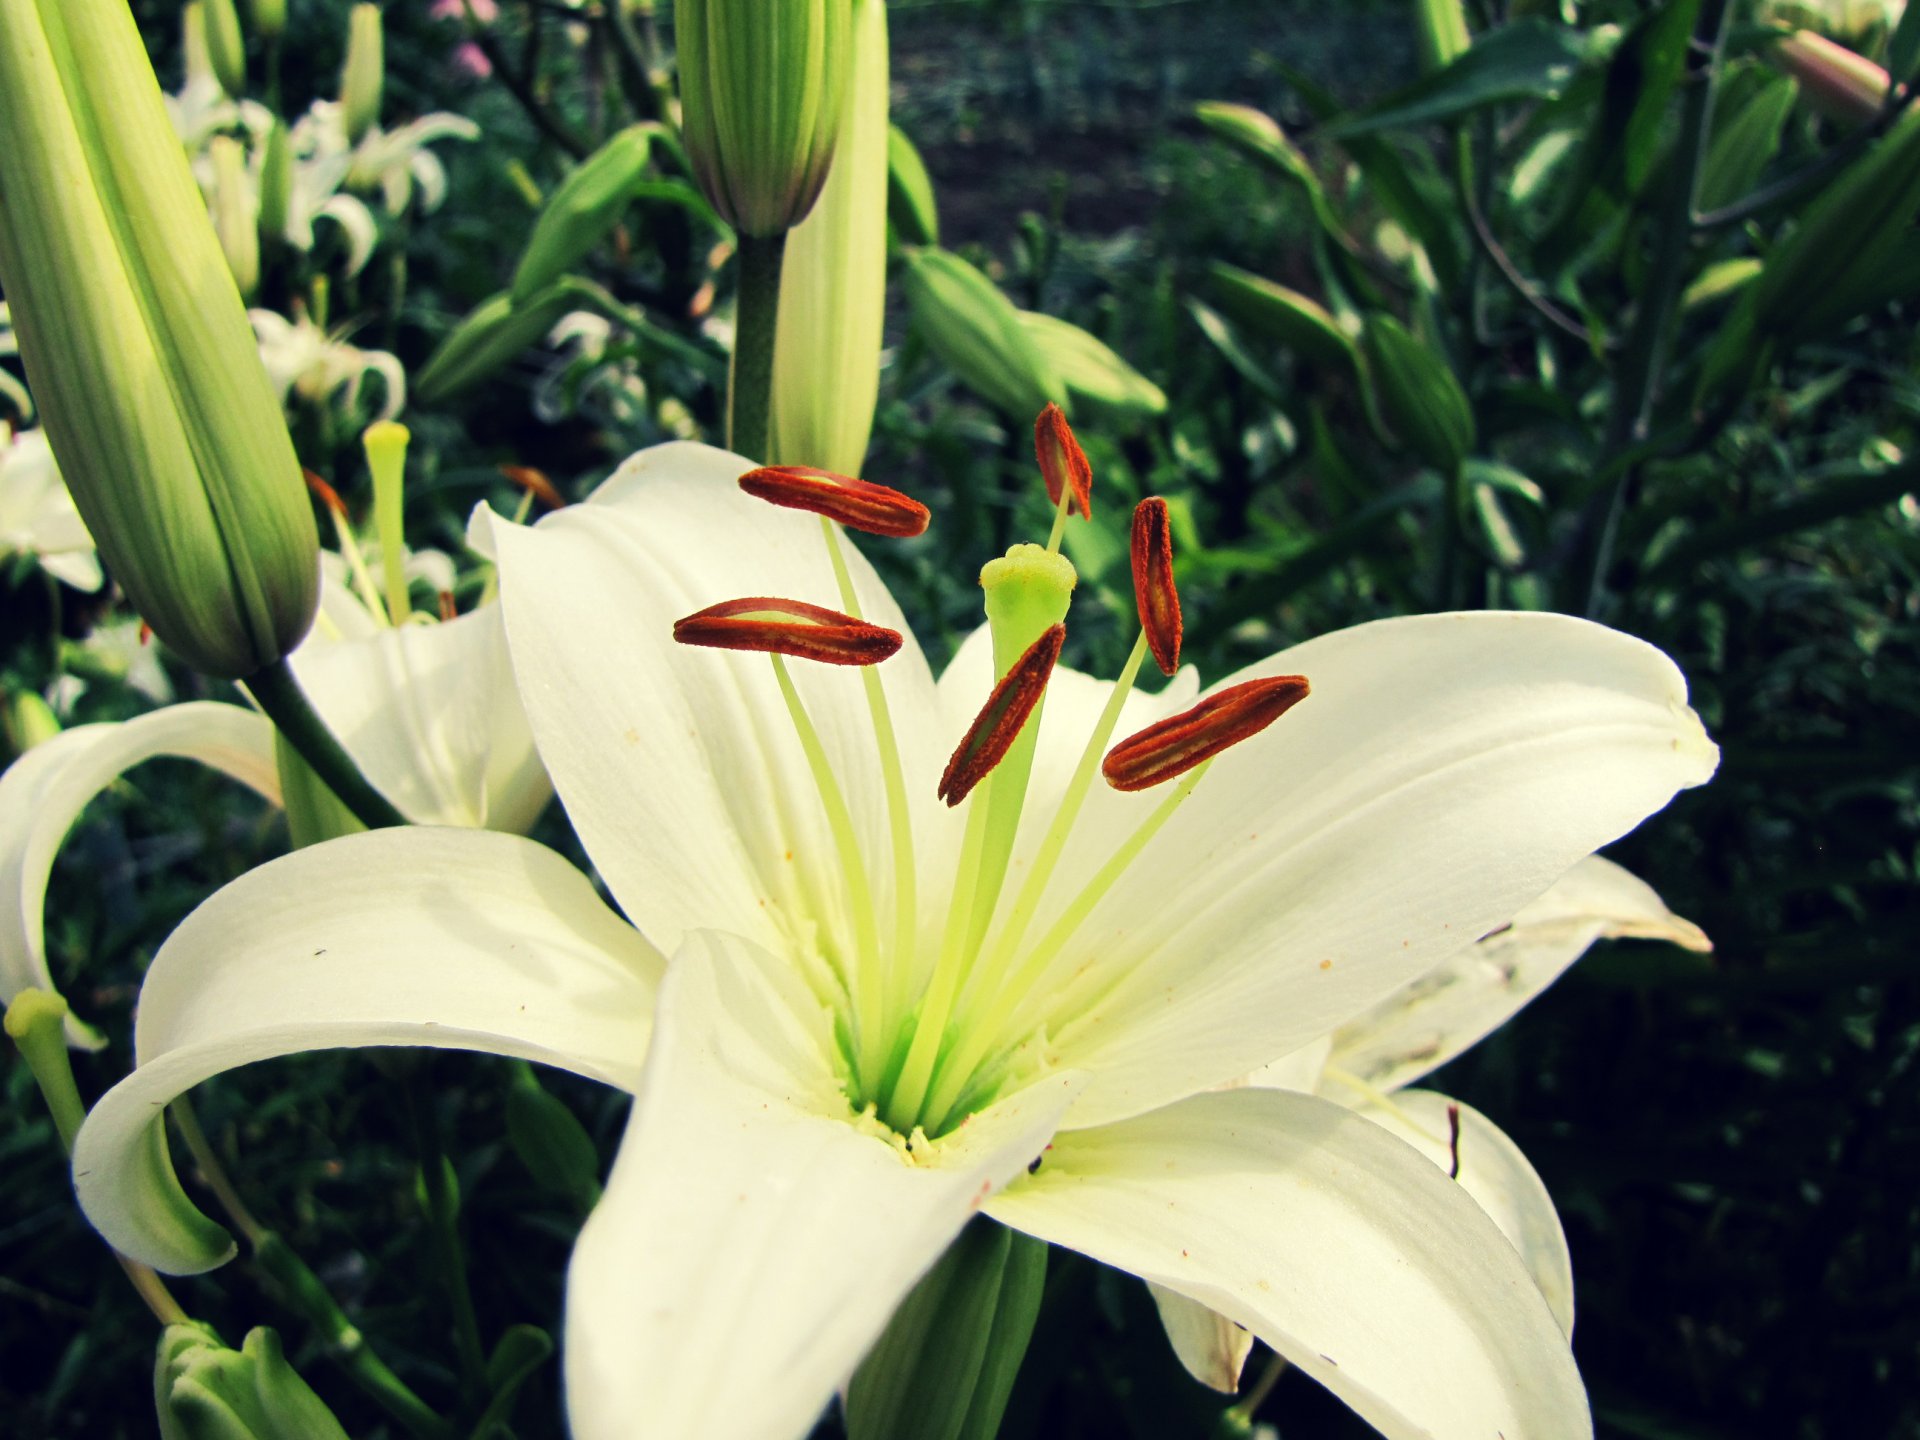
x: 1498, y: 1177
x: 460, y: 939
x: 44, y: 791
x: 679, y: 767
x: 1213, y: 1348
x: 1426, y: 1024
x: 749, y: 1213
x: 1446, y: 770
x: 1342, y: 1248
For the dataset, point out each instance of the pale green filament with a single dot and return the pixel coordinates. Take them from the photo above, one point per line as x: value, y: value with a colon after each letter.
x: 357, y: 571
x: 386, y: 447
x: 904, y: 898
x: 1006, y: 1014
x: 1382, y: 1100
x: 981, y: 984
x: 1059, y: 531
x: 866, y: 974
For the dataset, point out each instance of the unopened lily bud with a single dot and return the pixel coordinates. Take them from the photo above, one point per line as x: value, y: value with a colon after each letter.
x: 1423, y: 401
x: 226, y: 50
x: 1256, y: 134
x: 205, y: 1391
x: 276, y: 181
x: 833, y: 285
x: 269, y: 17
x: 494, y: 331
x: 365, y: 73
x: 1835, y: 81
x: 584, y: 209
x: 166, y: 429
x: 1440, y: 31
x: 1297, y: 321
x: 761, y: 93
x: 910, y: 201
x: 976, y: 330
x: 235, y: 218
x: 1090, y: 369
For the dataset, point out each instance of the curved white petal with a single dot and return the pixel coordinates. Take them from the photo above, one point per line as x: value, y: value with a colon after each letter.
x: 43, y: 792
x: 679, y: 766
x: 78, y: 568
x: 1445, y: 770
x: 1498, y: 1177
x: 461, y: 939
x: 356, y: 222
x: 1213, y: 1348
x: 1339, y: 1246
x: 749, y: 1214
x: 431, y: 714
x: 1422, y: 1026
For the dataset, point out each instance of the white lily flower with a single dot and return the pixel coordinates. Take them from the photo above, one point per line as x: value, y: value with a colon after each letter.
x: 38, y: 516
x: 1365, y: 1064
x: 392, y: 162
x: 303, y: 359
x: 11, y: 390
x: 775, y: 1197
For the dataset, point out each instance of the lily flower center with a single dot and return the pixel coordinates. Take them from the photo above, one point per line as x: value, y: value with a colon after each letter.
x: 928, y: 1039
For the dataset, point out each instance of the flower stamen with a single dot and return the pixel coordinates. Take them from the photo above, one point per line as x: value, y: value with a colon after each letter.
x: 1174, y: 746
x: 1153, y: 589
x: 1064, y: 467
x: 1002, y: 718
x: 357, y: 572
x: 788, y: 627
x: 536, y: 484
x: 861, y: 504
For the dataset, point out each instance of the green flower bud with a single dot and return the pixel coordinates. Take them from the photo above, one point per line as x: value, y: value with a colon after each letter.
x: 1090, y: 369
x: 269, y: 17
x: 970, y: 325
x: 833, y: 286
x: 1296, y: 321
x: 364, y: 73
x: 910, y: 202
x: 1422, y: 400
x: 165, y: 426
x: 1257, y: 135
x: 236, y: 217
x: 30, y: 721
x: 584, y: 210
x: 761, y: 94
x: 1440, y: 30
x: 496, y: 330
x: 1836, y: 82
x: 204, y: 1391
x: 226, y: 51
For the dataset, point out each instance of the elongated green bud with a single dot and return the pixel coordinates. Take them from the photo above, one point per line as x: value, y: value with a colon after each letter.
x: 1440, y: 31
x: 1090, y: 369
x: 204, y: 1391
x: 193, y: 44
x: 976, y: 330
x: 365, y: 72
x: 276, y: 181
x: 136, y: 345
x: 1834, y: 80
x: 584, y: 210
x: 761, y: 93
x: 494, y: 331
x: 269, y: 17
x: 226, y: 50
x: 833, y: 284
x: 235, y: 218
x: 1297, y: 321
x: 1424, y: 403
x: 910, y: 201
x: 1257, y: 135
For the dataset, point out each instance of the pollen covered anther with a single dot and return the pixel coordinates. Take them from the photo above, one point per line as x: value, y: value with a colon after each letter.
x: 858, y: 504
x: 1153, y: 591
x: 1174, y: 746
x: 1063, y: 464
x: 788, y: 627
x: 1001, y: 719
x: 327, y: 495
x: 536, y: 484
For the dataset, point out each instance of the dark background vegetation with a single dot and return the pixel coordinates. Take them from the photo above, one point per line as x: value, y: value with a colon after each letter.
x: 1734, y: 1140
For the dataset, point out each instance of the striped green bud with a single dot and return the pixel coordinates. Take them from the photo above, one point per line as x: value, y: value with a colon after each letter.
x: 276, y: 181
x: 833, y: 287
x: 584, y: 209
x: 136, y: 345
x: 236, y: 216
x: 269, y: 17
x: 1838, y: 83
x: 976, y: 330
x: 226, y: 50
x: 761, y: 93
x: 1090, y: 369
x: 1297, y: 321
x: 364, y: 74
x: 493, y: 333
x: 1422, y: 401
x: 204, y: 1391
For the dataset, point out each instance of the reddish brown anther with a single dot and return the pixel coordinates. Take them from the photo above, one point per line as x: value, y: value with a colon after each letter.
x: 536, y: 484
x: 876, y: 509
x: 1063, y: 464
x: 788, y: 627
x: 1175, y: 746
x: 1153, y: 592
x: 329, y: 496
x: 999, y: 722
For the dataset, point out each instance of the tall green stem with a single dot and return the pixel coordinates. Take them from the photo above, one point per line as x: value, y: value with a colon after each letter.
x: 276, y: 691
x: 750, y: 393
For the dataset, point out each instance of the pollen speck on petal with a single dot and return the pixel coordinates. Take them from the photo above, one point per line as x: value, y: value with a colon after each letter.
x: 858, y: 504
x: 1063, y: 464
x: 1153, y: 589
x: 1174, y: 746
x: 788, y: 627
x: 999, y: 722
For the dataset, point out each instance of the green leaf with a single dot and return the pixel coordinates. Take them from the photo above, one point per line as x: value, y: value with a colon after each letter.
x: 1903, y: 51
x: 584, y: 210
x: 1834, y: 500
x: 1748, y: 118
x: 1296, y: 321
x: 1527, y: 60
x: 1420, y: 397
x: 910, y: 200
